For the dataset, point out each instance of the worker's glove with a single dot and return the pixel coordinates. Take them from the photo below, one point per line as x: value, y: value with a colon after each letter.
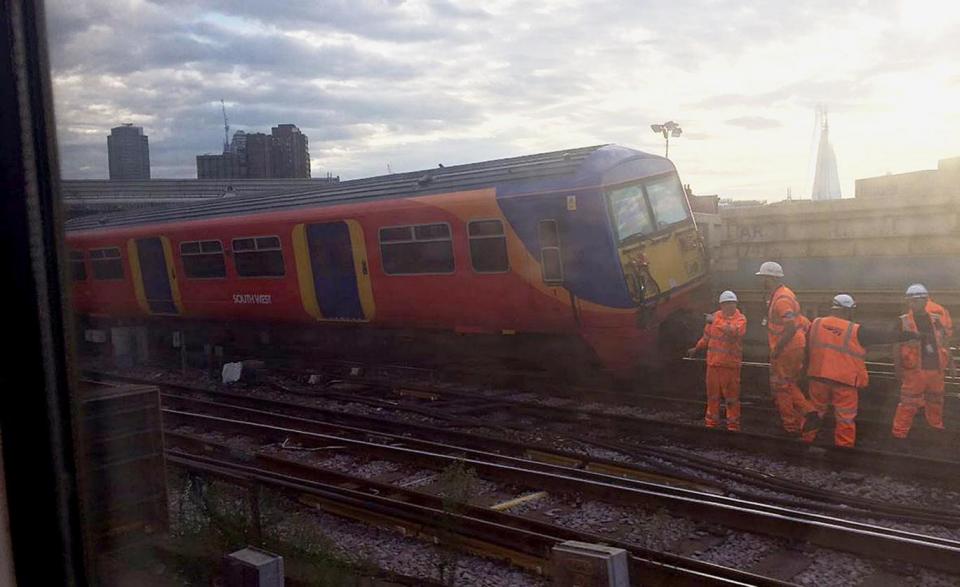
x: 708, y: 318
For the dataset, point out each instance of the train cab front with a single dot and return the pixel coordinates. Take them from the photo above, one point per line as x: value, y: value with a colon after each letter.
x: 662, y: 257
x: 660, y: 250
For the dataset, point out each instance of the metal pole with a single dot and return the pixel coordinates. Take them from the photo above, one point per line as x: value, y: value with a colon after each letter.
x: 668, y: 147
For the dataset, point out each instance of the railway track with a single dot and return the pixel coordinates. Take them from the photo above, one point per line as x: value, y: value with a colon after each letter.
x: 863, y: 539
x: 827, y: 501
x: 610, y: 430
x: 526, y: 543
x: 623, y: 435
x: 684, y: 396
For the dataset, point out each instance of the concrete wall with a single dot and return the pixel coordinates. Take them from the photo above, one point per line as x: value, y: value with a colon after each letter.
x: 944, y: 181
x: 870, y: 248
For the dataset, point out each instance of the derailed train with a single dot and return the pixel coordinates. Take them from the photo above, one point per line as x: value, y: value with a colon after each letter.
x: 595, y: 247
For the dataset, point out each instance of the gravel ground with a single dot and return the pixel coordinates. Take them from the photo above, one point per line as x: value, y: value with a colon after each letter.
x: 655, y: 529
x: 739, y: 550
x: 363, y: 545
x: 651, y: 529
x: 881, y: 488
x: 418, y: 479
x: 931, y: 579
x: 390, y: 551
x: 834, y: 568
x: 659, y: 530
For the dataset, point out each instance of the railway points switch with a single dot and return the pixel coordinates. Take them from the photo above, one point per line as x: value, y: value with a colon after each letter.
x: 581, y: 564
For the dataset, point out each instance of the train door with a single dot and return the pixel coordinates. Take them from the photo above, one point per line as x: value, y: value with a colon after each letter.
x: 334, y: 277
x: 153, y: 279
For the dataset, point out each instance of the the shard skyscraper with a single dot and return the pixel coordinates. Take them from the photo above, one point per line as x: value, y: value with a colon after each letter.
x: 826, y: 179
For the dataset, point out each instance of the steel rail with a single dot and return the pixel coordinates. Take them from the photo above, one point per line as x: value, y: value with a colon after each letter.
x: 833, y: 502
x: 896, y: 464
x: 476, y: 526
x: 834, y: 533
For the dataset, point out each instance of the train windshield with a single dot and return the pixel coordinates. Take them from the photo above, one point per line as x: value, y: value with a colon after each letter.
x: 645, y: 208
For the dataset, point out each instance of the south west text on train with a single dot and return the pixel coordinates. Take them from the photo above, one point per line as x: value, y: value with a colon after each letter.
x: 592, y: 249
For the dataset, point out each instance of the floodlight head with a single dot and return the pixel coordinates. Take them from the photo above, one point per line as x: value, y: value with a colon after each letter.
x: 676, y: 132
x: 656, y: 127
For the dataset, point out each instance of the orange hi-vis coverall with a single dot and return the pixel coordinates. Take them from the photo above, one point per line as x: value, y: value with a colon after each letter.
x: 936, y: 309
x: 837, y: 370
x: 786, y: 368
x: 922, y: 386
x: 723, y: 339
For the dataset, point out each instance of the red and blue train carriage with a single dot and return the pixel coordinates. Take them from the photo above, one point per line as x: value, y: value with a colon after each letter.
x: 595, y: 244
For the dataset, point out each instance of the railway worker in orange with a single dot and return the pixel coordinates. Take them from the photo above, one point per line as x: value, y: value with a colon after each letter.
x: 935, y: 309
x: 837, y: 366
x: 786, y: 334
x: 921, y: 364
x: 723, y: 340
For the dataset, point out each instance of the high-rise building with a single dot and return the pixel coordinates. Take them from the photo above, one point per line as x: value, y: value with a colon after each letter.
x: 128, y: 150
x: 282, y: 154
x: 826, y: 179
x: 259, y: 156
x: 225, y: 166
x: 291, y: 152
x: 239, y: 143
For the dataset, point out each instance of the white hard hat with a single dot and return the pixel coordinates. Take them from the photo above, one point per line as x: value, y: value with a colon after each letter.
x: 770, y: 269
x: 728, y: 296
x: 917, y: 290
x: 844, y: 301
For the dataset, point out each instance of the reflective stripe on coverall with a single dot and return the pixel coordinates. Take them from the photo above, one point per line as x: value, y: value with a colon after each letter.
x: 723, y: 339
x: 837, y: 370
x: 786, y: 369
x: 922, y: 388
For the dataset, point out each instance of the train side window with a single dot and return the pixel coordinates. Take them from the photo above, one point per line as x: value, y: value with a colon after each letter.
x: 551, y: 262
x: 106, y: 263
x: 417, y: 249
x: 258, y: 256
x: 203, y: 259
x: 78, y: 266
x: 488, y: 246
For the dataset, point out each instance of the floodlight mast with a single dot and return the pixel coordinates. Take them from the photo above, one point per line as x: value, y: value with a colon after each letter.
x: 667, y: 129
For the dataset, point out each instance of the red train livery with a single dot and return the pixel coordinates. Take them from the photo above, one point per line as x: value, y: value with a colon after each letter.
x: 596, y: 245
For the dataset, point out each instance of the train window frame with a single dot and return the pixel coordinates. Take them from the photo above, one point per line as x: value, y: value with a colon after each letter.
x: 550, y: 249
x: 97, y: 262
x: 688, y: 213
x: 257, y: 249
x: 639, y: 184
x: 413, y: 239
x: 656, y: 231
x: 502, y: 236
x: 202, y: 253
x: 77, y: 260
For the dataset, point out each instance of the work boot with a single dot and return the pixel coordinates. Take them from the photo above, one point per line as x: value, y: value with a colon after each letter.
x: 811, y: 423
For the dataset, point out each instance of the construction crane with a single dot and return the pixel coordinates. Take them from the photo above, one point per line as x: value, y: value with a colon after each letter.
x: 226, y: 128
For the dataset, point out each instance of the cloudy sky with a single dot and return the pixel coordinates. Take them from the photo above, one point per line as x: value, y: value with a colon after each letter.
x: 414, y: 83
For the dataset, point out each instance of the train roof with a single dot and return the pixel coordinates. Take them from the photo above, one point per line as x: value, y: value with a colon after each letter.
x: 397, y: 185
